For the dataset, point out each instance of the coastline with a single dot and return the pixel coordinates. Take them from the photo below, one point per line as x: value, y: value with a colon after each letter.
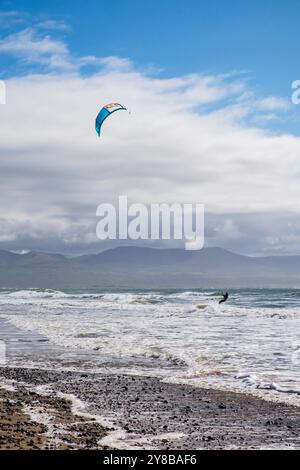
x: 43, y: 409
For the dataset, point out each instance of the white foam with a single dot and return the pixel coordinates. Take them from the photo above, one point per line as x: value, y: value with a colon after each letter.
x: 116, y: 436
x: 7, y: 385
x: 31, y: 294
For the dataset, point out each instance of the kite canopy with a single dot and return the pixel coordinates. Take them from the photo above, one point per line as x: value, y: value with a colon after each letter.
x: 105, y: 112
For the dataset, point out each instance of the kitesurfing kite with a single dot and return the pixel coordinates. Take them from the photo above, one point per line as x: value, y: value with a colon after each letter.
x: 105, y: 112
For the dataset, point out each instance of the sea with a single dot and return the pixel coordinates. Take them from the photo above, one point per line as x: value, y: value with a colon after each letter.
x: 250, y: 344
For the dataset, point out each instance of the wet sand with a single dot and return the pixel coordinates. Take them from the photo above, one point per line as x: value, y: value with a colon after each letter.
x: 74, y: 410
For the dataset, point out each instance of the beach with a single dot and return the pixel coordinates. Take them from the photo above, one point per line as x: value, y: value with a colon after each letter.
x: 42, y: 409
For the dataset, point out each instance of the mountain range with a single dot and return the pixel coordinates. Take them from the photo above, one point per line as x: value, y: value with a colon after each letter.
x: 136, y: 267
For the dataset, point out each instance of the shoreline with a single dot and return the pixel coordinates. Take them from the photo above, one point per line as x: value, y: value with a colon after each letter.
x: 43, y: 409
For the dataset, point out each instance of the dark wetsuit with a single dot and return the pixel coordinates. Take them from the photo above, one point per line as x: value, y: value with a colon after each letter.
x: 225, y: 297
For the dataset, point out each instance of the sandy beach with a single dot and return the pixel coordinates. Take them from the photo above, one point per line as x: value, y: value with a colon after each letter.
x: 43, y: 409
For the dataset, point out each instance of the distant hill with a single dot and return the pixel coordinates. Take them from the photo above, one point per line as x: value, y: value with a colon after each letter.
x: 148, y: 267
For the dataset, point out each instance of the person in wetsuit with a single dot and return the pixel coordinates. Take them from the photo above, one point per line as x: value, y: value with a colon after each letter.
x: 225, y: 297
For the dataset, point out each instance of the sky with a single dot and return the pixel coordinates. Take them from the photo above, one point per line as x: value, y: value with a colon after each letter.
x: 208, y: 87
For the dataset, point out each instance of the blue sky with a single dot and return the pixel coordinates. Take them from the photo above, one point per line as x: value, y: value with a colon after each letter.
x: 209, y: 87
x: 261, y: 36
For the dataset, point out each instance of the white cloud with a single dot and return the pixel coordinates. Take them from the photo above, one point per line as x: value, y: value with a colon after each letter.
x: 54, y: 170
x: 272, y: 103
x: 51, y: 54
x: 27, y: 45
x: 53, y: 25
x: 10, y: 18
x: 115, y: 63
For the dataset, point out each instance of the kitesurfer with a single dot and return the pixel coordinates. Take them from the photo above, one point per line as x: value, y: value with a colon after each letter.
x: 225, y: 297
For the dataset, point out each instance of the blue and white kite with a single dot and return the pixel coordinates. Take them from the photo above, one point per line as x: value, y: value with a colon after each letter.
x: 105, y: 112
